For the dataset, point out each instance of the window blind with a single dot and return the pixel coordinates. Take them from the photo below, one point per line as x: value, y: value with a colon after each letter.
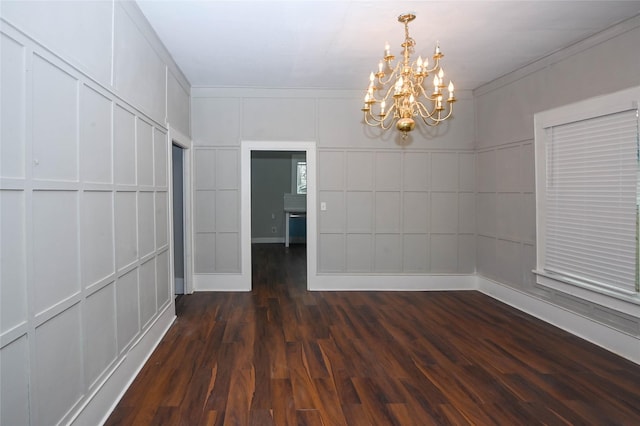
x: 591, y: 201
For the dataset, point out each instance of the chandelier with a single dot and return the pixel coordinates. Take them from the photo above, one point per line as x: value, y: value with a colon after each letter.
x: 401, y: 93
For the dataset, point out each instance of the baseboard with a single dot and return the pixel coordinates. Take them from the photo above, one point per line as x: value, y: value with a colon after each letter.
x: 221, y: 282
x: 268, y: 240
x: 278, y: 240
x: 613, y: 340
x: 103, y: 401
x: 331, y: 282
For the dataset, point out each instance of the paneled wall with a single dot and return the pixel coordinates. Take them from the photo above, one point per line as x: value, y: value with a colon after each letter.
x: 396, y: 211
x: 505, y: 205
x: 84, y: 285
x: 392, y: 206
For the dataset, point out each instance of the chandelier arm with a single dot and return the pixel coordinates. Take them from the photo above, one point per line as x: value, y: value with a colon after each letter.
x: 392, y: 75
x: 435, y: 67
x: 368, y: 115
x: 436, y: 120
x: 425, y: 94
x: 423, y: 111
x: 388, y: 114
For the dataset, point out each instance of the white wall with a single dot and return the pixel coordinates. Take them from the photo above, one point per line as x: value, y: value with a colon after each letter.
x: 84, y: 286
x: 391, y: 209
x: 505, y: 205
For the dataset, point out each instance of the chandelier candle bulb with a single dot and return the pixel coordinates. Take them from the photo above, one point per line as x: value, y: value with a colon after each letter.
x: 398, y: 87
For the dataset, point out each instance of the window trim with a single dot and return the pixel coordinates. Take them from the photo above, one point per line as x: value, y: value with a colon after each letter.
x: 609, y: 104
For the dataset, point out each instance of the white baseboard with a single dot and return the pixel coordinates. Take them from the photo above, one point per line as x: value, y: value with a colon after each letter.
x: 268, y: 240
x: 613, y: 340
x: 278, y: 240
x: 330, y: 282
x: 99, y: 406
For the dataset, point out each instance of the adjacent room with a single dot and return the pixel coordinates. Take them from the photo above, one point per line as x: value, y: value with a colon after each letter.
x: 243, y: 212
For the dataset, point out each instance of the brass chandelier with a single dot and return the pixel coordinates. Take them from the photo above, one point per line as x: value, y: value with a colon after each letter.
x: 400, y: 90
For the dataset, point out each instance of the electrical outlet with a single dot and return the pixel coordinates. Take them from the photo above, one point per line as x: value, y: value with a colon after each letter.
x: 273, y: 229
x: 323, y: 206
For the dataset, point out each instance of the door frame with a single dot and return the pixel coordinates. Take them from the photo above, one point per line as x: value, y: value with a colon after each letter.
x: 309, y: 148
x: 183, y: 141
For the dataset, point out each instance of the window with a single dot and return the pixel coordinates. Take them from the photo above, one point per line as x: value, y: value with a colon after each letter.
x: 299, y: 174
x: 301, y: 177
x: 587, y: 174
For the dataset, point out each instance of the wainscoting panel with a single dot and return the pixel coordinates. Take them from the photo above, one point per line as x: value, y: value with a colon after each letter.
x: 84, y: 222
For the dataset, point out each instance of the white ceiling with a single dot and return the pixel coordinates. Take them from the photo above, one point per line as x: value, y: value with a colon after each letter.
x: 335, y: 44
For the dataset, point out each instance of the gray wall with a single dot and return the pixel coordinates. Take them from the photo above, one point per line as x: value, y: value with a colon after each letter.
x: 86, y: 93
x: 390, y: 208
x: 270, y: 179
x: 505, y: 206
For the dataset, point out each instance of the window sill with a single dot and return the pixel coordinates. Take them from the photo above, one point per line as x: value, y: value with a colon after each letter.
x: 627, y: 303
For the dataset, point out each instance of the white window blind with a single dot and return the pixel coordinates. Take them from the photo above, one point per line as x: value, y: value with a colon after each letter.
x: 591, y: 201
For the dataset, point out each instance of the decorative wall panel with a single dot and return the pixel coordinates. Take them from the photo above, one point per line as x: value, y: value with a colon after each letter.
x: 444, y: 171
x: 128, y: 308
x: 96, y: 231
x: 14, y: 386
x: 55, y: 247
x: 55, y: 122
x: 58, y: 342
x: 415, y: 250
x: 12, y: 108
x: 359, y: 211
x: 146, y: 223
x: 147, y: 287
x: 359, y: 252
x: 100, y: 346
x: 126, y: 228
x: 144, y: 143
x: 13, y: 267
x: 124, y: 146
x: 95, y: 136
x: 388, y: 171
x: 388, y: 253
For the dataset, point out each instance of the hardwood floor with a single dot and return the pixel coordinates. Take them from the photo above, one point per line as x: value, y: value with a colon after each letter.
x: 283, y: 356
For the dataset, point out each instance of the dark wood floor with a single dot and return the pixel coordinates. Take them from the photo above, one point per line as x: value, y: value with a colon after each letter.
x: 283, y: 356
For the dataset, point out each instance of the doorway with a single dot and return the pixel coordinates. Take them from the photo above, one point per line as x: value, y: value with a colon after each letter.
x: 278, y: 197
x: 309, y: 151
x: 177, y: 161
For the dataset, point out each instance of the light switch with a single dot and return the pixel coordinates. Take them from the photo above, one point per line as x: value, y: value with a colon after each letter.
x: 323, y: 206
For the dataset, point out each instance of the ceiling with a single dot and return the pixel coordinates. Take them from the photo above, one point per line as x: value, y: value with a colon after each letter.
x: 332, y: 44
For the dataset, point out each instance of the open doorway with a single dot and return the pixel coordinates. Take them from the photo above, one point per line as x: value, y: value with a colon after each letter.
x: 177, y: 159
x: 308, y: 151
x: 278, y: 197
